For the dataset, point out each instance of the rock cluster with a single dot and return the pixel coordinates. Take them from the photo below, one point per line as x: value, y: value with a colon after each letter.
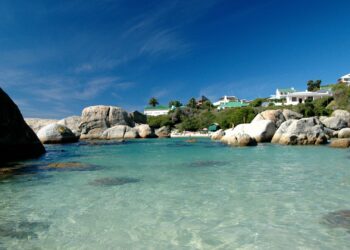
x: 300, y: 132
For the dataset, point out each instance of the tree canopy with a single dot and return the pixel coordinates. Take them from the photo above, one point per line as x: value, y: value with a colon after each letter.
x: 153, y: 102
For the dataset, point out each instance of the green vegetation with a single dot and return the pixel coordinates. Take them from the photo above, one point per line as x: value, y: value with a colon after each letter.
x: 194, y: 117
x: 175, y: 103
x: 313, y: 85
x: 341, y: 94
x: 192, y: 103
x: 257, y: 102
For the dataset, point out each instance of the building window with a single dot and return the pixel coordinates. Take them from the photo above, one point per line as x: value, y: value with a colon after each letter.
x: 294, y: 99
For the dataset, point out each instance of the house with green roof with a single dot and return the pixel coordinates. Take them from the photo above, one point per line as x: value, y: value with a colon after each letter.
x: 236, y: 104
x: 156, y: 110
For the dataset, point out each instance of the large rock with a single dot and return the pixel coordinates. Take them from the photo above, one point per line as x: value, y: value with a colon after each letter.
x: 56, y: 133
x: 120, y: 132
x: 138, y: 117
x: 96, y: 119
x: 238, y: 139
x: 344, y: 133
x: 72, y: 122
x: 300, y: 132
x: 145, y: 131
x: 17, y: 140
x: 217, y: 135
x: 340, y: 143
x: 289, y: 114
x: 335, y: 123
x: 276, y: 116
x: 260, y: 130
x: 163, y: 132
x: 345, y: 115
x: 37, y: 123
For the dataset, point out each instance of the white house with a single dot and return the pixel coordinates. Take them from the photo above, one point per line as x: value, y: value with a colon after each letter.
x: 282, y: 93
x: 225, y: 99
x: 157, y: 110
x: 345, y: 79
x: 300, y: 97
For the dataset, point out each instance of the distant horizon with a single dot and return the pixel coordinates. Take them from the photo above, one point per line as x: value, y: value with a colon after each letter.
x: 60, y: 57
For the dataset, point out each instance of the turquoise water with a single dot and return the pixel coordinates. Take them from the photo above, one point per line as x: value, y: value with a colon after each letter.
x: 170, y: 194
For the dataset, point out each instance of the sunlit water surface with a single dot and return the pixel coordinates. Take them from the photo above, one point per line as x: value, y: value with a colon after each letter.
x: 171, y: 194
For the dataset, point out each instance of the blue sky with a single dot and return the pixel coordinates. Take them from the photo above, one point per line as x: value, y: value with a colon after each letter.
x: 58, y: 57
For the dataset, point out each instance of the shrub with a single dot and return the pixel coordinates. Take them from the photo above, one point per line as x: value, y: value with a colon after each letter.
x: 229, y: 117
x: 159, y: 121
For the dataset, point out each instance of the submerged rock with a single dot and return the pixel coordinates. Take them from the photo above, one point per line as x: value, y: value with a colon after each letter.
x: 209, y: 163
x: 337, y: 219
x: 72, y: 166
x: 340, y: 143
x: 300, y: 132
x: 23, y: 229
x: 56, y: 133
x: 113, y: 181
x: 17, y: 140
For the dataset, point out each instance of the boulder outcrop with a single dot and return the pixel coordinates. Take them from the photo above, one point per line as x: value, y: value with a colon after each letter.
x: 289, y: 114
x: 138, y: 117
x: 217, y: 135
x: 344, y: 114
x: 163, y: 132
x: 120, y: 132
x: 238, y: 139
x: 37, y: 123
x: 276, y: 116
x: 17, y: 140
x: 145, y: 131
x: 72, y: 122
x: 300, y: 132
x: 344, y: 133
x: 56, y: 133
x: 96, y: 119
x: 335, y: 123
x: 260, y: 130
x: 340, y: 143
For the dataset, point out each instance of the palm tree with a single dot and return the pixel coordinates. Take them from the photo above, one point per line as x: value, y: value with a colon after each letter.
x: 153, y: 102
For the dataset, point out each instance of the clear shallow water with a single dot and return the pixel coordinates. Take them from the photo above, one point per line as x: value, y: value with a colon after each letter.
x: 181, y: 196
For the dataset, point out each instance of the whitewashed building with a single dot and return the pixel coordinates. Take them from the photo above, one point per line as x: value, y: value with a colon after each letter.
x: 157, y: 110
x: 296, y: 98
x: 225, y: 99
x: 345, y: 79
x: 282, y: 93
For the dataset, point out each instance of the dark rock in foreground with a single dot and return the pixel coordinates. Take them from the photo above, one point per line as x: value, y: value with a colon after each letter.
x: 17, y: 140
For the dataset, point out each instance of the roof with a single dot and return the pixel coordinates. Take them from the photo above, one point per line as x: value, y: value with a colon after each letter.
x: 233, y: 105
x: 308, y: 93
x: 159, y: 107
x: 289, y: 90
